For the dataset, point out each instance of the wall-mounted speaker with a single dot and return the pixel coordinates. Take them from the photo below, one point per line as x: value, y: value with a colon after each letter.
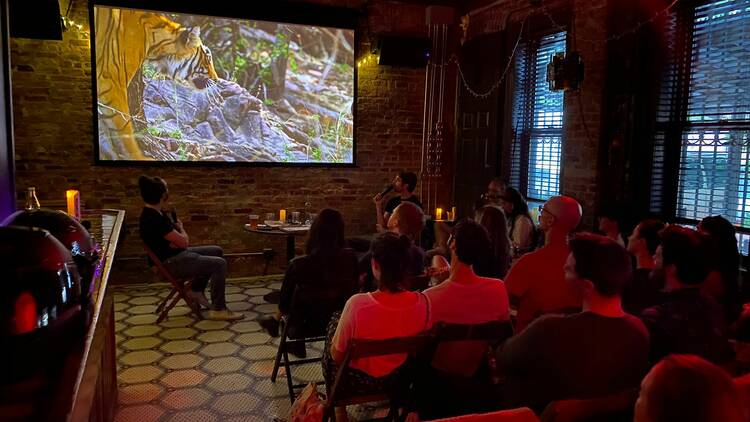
x: 404, y: 51
x: 39, y: 19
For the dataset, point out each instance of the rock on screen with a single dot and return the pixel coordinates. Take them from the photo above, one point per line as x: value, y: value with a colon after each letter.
x: 185, y: 88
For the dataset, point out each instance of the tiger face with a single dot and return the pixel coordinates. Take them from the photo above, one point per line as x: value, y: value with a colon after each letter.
x: 185, y: 60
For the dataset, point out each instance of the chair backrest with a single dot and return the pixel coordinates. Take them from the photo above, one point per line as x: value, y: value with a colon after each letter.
x: 361, y: 348
x: 493, y: 331
x: 312, y: 308
x: 159, y: 265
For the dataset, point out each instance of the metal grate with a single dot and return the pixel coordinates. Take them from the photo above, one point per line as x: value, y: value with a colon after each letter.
x: 538, y: 118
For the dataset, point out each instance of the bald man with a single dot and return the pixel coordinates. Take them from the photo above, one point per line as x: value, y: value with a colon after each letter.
x: 536, y: 283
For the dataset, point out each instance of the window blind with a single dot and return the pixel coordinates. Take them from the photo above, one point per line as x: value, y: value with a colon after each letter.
x: 538, y: 119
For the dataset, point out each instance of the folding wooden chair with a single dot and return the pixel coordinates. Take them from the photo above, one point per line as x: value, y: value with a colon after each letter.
x: 359, y: 349
x: 311, y: 310
x: 179, y: 289
x: 456, y: 376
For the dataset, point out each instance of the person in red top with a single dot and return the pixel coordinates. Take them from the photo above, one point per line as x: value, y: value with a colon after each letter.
x: 536, y: 283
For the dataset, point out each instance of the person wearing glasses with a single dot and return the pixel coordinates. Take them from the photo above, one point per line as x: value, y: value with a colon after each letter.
x: 536, y: 283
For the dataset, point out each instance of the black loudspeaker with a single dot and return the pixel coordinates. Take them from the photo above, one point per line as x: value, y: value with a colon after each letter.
x: 404, y: 51
x: 39, y: 19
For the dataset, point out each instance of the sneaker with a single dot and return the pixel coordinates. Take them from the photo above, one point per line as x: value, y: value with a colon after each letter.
x: 199, y: 298
x: 224, y: 315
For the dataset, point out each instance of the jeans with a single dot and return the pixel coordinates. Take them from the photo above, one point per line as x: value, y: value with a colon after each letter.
x: 202, y: 263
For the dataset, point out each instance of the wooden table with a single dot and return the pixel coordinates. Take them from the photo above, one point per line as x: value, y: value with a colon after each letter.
x: 289, y: 231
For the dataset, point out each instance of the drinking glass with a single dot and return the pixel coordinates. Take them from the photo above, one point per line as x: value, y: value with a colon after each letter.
x: 295, y: 217
x: 253, y: 220
x: 270, y: 216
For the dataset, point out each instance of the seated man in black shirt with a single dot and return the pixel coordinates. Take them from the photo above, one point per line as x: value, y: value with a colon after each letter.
x: 686, y: 321
x: 593, y: 353
x: 170, y: 243
x: 403, y: 185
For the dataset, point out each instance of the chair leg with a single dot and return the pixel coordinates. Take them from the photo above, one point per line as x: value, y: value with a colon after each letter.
x: 164, y: 301
x: 288, y: 370
x: 166, y: 310
x: 277, y: 361
x: 282, y: 348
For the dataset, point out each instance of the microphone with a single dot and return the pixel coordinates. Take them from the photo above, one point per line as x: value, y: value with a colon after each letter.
x: 386, y: 190
x: 173, y: 214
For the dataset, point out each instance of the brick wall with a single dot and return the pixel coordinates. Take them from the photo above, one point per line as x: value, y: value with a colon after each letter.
x: 54, y: 151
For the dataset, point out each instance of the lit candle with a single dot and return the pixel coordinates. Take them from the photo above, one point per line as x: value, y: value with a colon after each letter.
x: 74, y: 203
x: 438, y: 213
x: 453, y: 213
x: 282, y: 216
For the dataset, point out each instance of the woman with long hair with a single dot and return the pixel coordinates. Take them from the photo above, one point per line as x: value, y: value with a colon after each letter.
x: 498, y: 258
x: 520, y: 225
x: 327, y: 267
x: 390, y: 311
x: 722, y: 282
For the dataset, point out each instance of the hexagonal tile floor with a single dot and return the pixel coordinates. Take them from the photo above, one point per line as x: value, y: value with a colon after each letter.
x: 188, y: 370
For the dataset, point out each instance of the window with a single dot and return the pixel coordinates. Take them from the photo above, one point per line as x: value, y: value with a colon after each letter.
x: 703, y: 122
x: 537, y: 121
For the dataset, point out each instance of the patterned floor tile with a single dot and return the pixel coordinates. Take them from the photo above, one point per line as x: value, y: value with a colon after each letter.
x: 138, y: 393
x: 183, y: 378
x: 194, y: 416
x: 224, y: 365
x: 186, y: 398
x: 230, y: 404
x: 139, y: 374
x: 215, y: 336
x: 140, y: 413
x: 216, y: 350
x: 187, y: 369
x: 226, y: 383
x: 180, y: 346
x: 142, y: 357
x: 182, y: 361
x: 177, y: 333
x: 207, y: 325
x: 141, y: 330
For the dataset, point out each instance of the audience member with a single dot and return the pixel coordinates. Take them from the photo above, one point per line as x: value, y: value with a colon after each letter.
x: 686, y: 388
x: 722, y: 282
x: 645, y: 288
x: 326, y: 270
x: 520, y: 225
x: 597, y: 352
x: 403, y: 186
x: 407, y: 220
x: 457, y: 382
x: 171, y: 244
x: 686, y: 321
x: 495, y: 191
x: 741, y: 343
x: 389, y: 312
x: 536, y: 282
x: 611, y: 223
x: 496, y: 258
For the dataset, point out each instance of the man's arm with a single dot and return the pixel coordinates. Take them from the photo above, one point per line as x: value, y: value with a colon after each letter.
x: 178, y: 237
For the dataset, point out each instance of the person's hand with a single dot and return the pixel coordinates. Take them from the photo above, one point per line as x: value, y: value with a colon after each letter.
x: 178, y: 225
x: 377, y: 198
